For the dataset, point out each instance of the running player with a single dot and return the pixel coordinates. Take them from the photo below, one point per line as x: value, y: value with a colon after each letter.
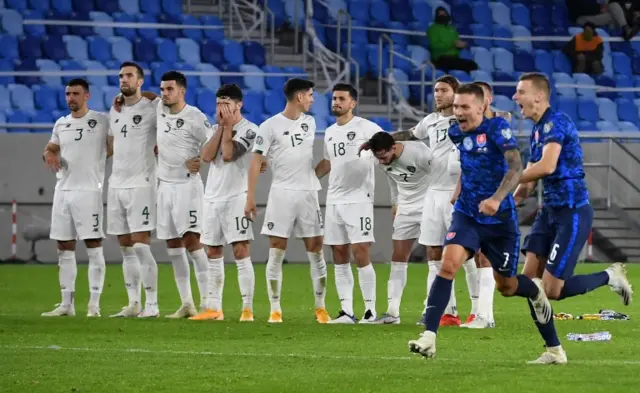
x: 77, y: 152
x: 225, y: 196
x: 349, y: 213
x: 484, y: 216
x: 286, y: 141
x: 407, y: 165
x: 131, y: 206
x: 562, y: 226
x: 182, y: 130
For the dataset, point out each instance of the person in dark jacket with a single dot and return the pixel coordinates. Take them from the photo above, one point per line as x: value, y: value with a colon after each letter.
x: 585, y: 50
x: 445, y: 44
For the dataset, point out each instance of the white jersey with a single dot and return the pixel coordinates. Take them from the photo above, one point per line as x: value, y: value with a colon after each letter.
x: 134, y: 137
x: 288, y: 146
x: 352, y: 177
x: 83, y: 151
x: 180, y: 138
x: 436, y: 127
x: 409, y: 173
x: 227, y: 180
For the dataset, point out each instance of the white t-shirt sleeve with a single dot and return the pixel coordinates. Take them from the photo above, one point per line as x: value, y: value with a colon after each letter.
x: 263, y: 140
x: 421, y: 130
x: 55, y: 137
x: 245, y: 136
x: 453, y: 163
x: 372, y: 130
x: 201, y: 128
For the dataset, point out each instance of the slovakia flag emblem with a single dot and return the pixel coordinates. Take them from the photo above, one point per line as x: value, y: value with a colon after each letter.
x: 536, y: 136
x: 451, y: 235
x: 481, y: 140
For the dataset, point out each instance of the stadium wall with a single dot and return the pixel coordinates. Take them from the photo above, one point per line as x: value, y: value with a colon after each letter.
x: 25, y: 179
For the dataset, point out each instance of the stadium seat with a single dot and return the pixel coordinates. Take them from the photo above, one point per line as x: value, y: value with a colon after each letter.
x: 502, y: 33
x: 194, y: 34
x: 502, y: 60
x: 500, y: 13
x: 211, y: 82
x: 35, y: 30
x: 484, y: 58
x: 625, y: 82
x: 69, y: 65
x: 274, y: 82
x: 383, y: 122
x: 151, y: 7
x: 145, y: 32
x: 254, y: 78
x: 569, y: 106
x: 9, y: 45
x: 520, y: 15
x: 11, y: 22
x: 21, y: 97
x: 628, y: 127
x: 606, y: 126
x: 585, y: 80
x: 102, y: 17
x: 233, y: 52
x: 18, y: 116
x: 621, y: 63
x: 564, y: 79
x: 379, y: 11
x: 274, y: 101
x: 172, y: 7
x: 254, y: 53
x: 627, y: 111
x: 481, y: 13
x: 95, y: 80
x: 129, y: 6
x: 607, y: 110
x: 524, y: 43
x: 480, y: 75
x: 76, y: 47
x: 5, y: 99
x: 503, y: 103
x: 587, y: 110
x: 6, y: 66
x: 166, y: 50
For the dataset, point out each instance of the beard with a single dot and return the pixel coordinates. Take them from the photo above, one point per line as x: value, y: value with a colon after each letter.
x: 128, y: 91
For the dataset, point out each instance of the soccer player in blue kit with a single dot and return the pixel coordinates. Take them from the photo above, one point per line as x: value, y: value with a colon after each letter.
x: 484, y: 216
x: 562, y: 226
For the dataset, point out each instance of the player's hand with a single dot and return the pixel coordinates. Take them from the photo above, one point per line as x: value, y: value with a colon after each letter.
x: 193, y: 165
x: 250, y: 210
x: 489, y: 207
x: 52, y: 161
x: 118, y: 101
x: 263, y: 167
x: 364, y: 146
x: 226, y: 115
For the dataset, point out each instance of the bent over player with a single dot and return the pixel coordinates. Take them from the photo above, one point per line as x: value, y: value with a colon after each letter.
x: 286, y: 140
x: 407, y: 165
x: 225, y: 196
x: 484, y: 216
x: 562, y: 226
x: 77, y: 152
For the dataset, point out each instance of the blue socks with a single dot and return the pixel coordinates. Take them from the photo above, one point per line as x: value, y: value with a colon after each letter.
x: 547, y: 331
x: 579, y: 285
x: 437, y: 303
x: 526, y: 287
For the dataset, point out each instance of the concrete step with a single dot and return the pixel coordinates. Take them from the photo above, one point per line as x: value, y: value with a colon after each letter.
x: 617, y: 233
x: 608, y: 224
x: 605, y: 215
x: 626, y: 243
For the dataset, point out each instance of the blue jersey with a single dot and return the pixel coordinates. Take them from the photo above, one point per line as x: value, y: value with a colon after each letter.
x: 566, y: 185
x: 483, y: 167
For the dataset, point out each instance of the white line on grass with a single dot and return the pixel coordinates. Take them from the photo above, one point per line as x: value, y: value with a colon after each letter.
x: 462, y: 360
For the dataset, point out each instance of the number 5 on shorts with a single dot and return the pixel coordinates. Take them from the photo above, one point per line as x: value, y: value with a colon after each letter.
x: 193, y: 218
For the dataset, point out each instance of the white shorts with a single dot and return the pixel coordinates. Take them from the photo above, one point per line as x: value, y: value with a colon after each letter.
x: 348, y: 224
x: 131, y: 210
x: 292, y: 213
x: 224, y: 222
x: 436, y: 218
x: 179, y: 209
x: 406, y: 225
x: 76, y: 215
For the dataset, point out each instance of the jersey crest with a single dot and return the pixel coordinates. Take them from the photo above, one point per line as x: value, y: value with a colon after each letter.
x: 351, y: 135
x: 481, y: 140
x: 179, y: 123
x: 250, y: 134
x: 92, y: 123
x: 137, y: 119
x: 304, y: 127
x: 467, y: 143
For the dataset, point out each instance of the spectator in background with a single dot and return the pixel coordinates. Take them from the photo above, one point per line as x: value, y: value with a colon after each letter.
x: 622, y: 14
x: 585, y: 51
x: 445, y: 44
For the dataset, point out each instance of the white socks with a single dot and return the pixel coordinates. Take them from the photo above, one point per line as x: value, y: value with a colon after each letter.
x: 434, y: 269
x: 181, y: 273
x: 367, y: 279
x: 274, y: 277
x: 201, y: 267
x: 318, y: 276
x: 131, y: 273
x: 344, y: 286
x: 96, y: 275
x: 473, y: 283
x: 246, y: 282
x: 395, y: 287
x: 148, y: 272
x: 67, y: 272
x: 216, y: 283
x: 487, y: 289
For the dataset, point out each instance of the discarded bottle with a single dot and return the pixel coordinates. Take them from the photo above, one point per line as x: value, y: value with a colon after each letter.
x: 598, y: 336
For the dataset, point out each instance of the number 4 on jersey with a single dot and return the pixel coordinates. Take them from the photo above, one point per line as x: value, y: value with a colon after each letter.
x: 123, y: 130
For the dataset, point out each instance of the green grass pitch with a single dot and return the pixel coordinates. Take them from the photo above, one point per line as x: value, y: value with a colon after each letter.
x: 116, y: 355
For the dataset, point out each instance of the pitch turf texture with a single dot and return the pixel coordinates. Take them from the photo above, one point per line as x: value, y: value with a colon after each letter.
x: 128, y: 355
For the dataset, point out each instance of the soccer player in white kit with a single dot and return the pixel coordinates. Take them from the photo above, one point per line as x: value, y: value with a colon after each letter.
x: 349, y: 213
x: 131, y: 201
x: 182, y: 130
x: 407, y: 165
x: 436, y: 216
x: 225, y: 196
x: 77, y: 152
x: 286, y: 141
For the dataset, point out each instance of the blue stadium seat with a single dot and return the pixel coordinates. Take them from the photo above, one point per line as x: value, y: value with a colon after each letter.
x: 295, y: 9
x: 321, y: 105
x: 569, y: 106
x: 45, y: 98
x: 627, y: 111
x: 96, y: 101
x: 44, y: 118
x: 481, y: 75
x: 500, y: 13
x: 540, y: 15
x: 9, y: 45
x: 108, y: 93
x: 129, y: 6
x: 603, y: 80
x: 503, y: 103
x: 170, y: 32
x: 418, y: 54
x: 274, y: 101
x: 95, y: 80
x: 502, y: 32
x: 625, y: 82
x: 586, y: 126
x: 166, y: 50
x: 520, y: 32
x: 5, y: 99
x: 212, y: 52
x: 254, y: 53
x: 192, y: 81
x: 255, y: 82
x: 151, y: 7
x: 11, y: 22
x: 253, y: 102
x: 102, y: 17
x: 383, y: 122
x: 18, y: 5
x: 607, y: 110
x: 83, y: 6
x: 585, y: 80
x: 481, y: 13
x: 194, y: 34
x: 80, y: 31
x: 520, y: 15
x: 628, y: 127
x: 128, y: 33
x: 233, y: 53
x: 19, y: 116
x: 587, y: 110
x: 206, y: 98
x: 621, y: 63
x: 213, y: 34
x: 62, y: 98
x: 544, y: 61
x: 147, y: 18
x: 500, y: 76
x: 502, y: 60
x: 69, y: 65
x: 461, y: 76
x: 49, y: 65
x: 559, y: 14
x: 400, y: 10
x: 34, y: 30
x: 359, y: 10
x: 76, y: 47
x: 6, y: 66
x: 606, y: 126
x: 273, y: 82
x: 62, y: 7
x: 99, y: 49
x: 481, y: 31
x: 21, y: 97
x: 121, y: 49
x: 26, y: 64
x: 144, y: 50
x: 211, y: 82
x: 172, y: 7
x: 483, y: 57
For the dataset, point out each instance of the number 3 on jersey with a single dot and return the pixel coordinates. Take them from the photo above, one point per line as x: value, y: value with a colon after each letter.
x: 296, y: 140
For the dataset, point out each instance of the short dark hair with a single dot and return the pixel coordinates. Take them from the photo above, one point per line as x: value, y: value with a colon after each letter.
x: 348, y: 88
x: 134, y: 65
x: 176, y: 76
x: 449, y: 80
x: 381, y: 141
x: 231, y: 91
x: 296, y: 85
x: 484, y: 85
x: 538, y: 80
x: 79, y: 82
x: 473, y: 89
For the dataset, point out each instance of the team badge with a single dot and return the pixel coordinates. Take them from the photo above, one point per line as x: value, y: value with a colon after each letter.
x: 481, y: 140
x: 452, y: 122
x: 506, y: 133
x: 467, y: 143
x: 259, y: 140
x: 207, y: 124
x: 451, y: 235
x: 250, y: 134
x: 536, y: 136
x: 351, y: 135
x: 92, y: 123
x: 179, y: 123
x: 137, y: 119
x: 548, y: 127
x: 304, y: 127
x: 270, y: 225
x: 411, y: 169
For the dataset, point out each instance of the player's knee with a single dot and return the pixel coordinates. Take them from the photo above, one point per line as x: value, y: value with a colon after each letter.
x: 192, y: 241
x: 175, y: 243
x: 448, y: 269
x: 67, y: 246
x: 506, y: 286
x: 434, y: 253
x: 93, y: 243
x: 214, y: 252
x: 277, y: 242
x: 552, y: 287
x: 240, y: 250
x: 141, y: 237
x: 313, y: 244
x: 341, y: 254
x: 361, y: 254
x: 125, y: 240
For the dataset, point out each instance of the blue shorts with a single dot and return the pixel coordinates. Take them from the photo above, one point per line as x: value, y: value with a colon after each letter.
x: 558, y: 234
x: 500, y: 243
